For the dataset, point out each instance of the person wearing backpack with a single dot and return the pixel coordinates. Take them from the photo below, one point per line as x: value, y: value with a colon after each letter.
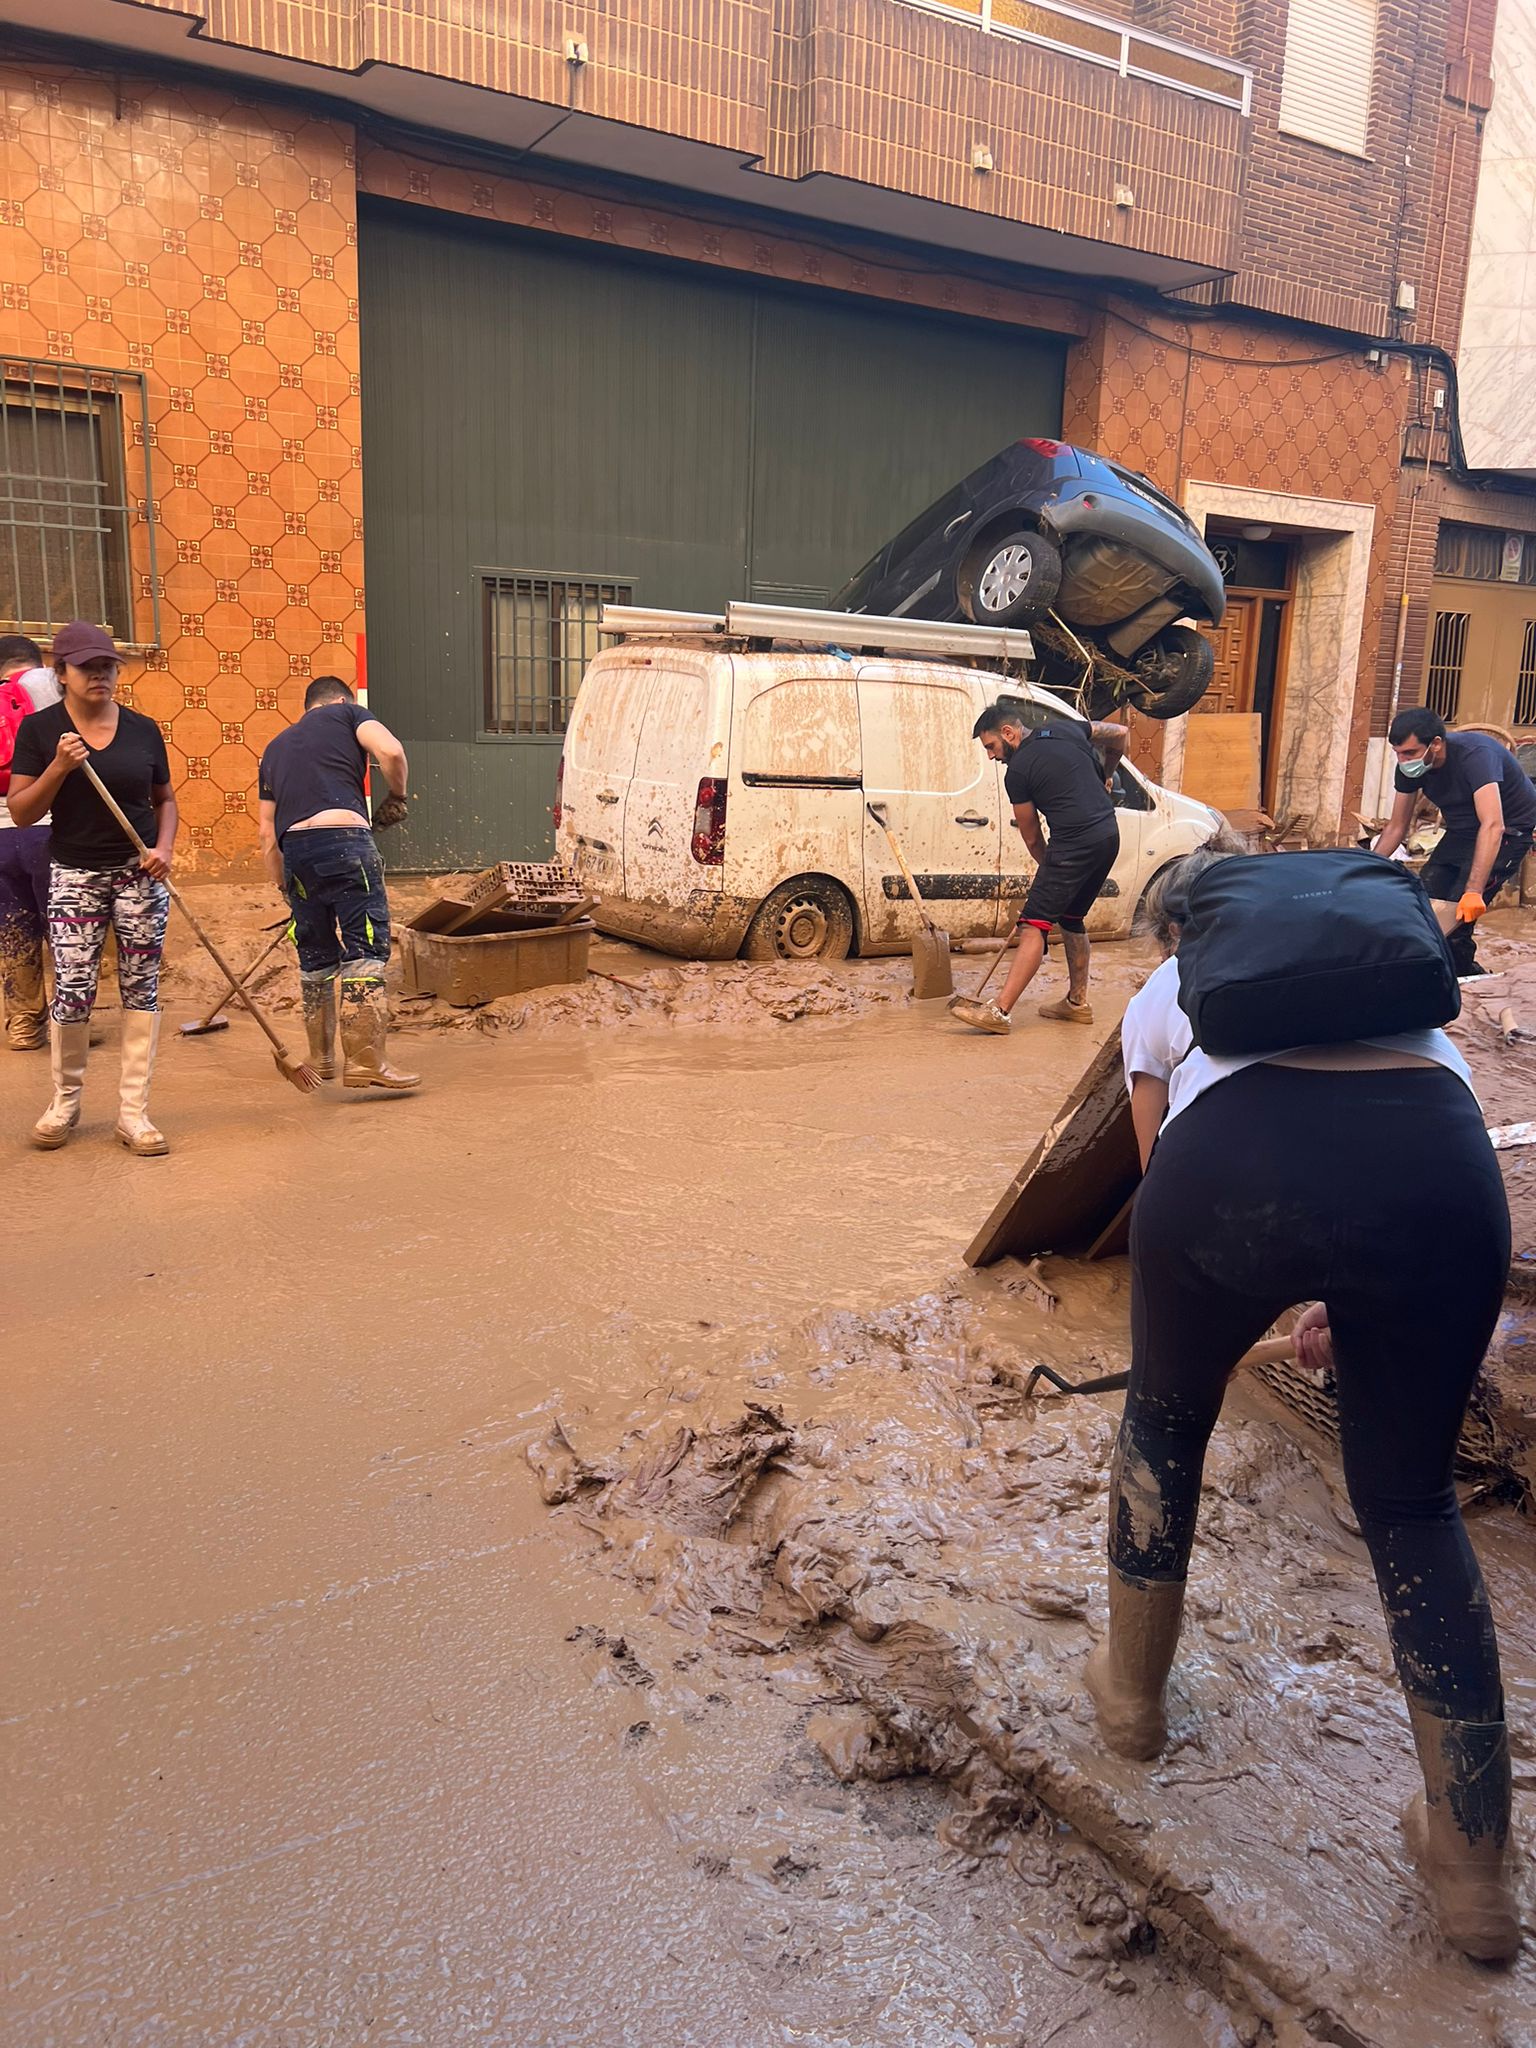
x: 1488, y: 803
x: 25, y: 686
x: 1310, y: 1097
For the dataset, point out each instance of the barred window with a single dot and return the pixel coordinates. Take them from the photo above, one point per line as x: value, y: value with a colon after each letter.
x: 540, y: 632
x: 65, y: 509
x: 1525, y: 682
x: 1447, y: 652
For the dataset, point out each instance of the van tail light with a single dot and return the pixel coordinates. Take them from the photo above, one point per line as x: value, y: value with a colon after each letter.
x: 709, y: 823
x: 559, y: 810
x: 1050, y: 448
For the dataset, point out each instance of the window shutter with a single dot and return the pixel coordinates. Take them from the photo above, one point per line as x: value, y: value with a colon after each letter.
x: 1330, y: 52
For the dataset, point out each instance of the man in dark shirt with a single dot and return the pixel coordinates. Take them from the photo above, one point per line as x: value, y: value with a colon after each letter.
x: 1488, y: 803
x: 1053, y: 774
x: 319, y: 849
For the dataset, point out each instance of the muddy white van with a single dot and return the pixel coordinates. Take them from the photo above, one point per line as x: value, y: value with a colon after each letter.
x: 714, y: 784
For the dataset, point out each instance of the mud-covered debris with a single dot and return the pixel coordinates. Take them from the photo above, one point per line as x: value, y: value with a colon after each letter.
x: 560, y: 1468
x: 695, y: 1482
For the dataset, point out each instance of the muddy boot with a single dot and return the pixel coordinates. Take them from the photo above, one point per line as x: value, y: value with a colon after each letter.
x: 141, y: 1034
x: 26, y: 1011
x: 319, y: 994
x: 980, y: 1016
x: 364, y: 1030
x: 1068, y: 1012
x: 1457, y: 1830
x: 69, y: 1046
x: 1126, y: 1674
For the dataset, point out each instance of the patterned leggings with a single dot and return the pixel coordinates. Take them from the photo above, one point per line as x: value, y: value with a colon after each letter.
x: 81, y: 904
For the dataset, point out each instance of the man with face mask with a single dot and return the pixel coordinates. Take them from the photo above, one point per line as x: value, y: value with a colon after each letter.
x: 1488, y: 803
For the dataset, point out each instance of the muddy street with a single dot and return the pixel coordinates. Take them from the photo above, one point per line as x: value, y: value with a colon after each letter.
x: 324, y: 1725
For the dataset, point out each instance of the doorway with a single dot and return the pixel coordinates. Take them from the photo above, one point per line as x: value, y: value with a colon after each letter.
x: 1250, y: 647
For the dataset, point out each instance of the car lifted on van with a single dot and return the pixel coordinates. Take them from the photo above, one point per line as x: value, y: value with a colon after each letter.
x: 1091, y: 557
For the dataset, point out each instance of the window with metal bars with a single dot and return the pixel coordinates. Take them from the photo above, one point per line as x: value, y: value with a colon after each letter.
x: 1447, y: 652
x: 539, y: 634
x: 65, y: 511
x: 1525, y: 682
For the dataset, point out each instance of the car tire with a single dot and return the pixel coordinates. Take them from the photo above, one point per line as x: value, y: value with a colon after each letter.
x: 811, y: 919
x: 1174, y: 672
x: 1010, y: 579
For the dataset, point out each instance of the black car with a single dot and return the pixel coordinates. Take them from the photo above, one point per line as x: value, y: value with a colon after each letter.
x: 1092, y: 557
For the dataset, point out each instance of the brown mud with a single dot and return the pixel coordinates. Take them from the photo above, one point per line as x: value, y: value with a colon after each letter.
x: 321, y: 1727
x: 316, y: 1730
x: 901, y: 1522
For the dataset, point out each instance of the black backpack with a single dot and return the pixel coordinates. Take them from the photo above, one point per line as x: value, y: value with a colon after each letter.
x: 1289, y: 949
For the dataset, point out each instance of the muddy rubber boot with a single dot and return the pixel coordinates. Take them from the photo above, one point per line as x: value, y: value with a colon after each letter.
x: 1068, y: 1012
x: 319, y: 995
x: 364, y: 1031
x: 141, y: 1034
x: 1128, y: 1671
x: 1457, y: 1830
x: 69, y: 1047
x: 26, y: 1010
x: 980, y: 1016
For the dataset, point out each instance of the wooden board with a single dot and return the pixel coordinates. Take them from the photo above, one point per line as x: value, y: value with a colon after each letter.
x: 1222, y: 757
x: 1074, y: 1187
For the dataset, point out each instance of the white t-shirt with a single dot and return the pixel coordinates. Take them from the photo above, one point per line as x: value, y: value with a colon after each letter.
x: 42, y: 686
x: 1155, y: 1039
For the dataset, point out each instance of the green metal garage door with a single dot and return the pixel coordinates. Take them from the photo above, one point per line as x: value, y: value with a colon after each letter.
x: 545, y: 426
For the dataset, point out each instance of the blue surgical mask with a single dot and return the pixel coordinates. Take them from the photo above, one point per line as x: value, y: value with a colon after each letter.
x: 1414, y: 769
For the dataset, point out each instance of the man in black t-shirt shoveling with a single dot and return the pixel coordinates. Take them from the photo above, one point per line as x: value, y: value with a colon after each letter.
x: 1055, y: 775
x: 319, y: 849
x: 1488, y: 803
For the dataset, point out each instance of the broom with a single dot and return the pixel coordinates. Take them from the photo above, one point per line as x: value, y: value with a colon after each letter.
x: 297, y: 1072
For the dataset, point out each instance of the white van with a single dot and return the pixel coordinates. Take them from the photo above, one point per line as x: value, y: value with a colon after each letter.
x: 712, y: 796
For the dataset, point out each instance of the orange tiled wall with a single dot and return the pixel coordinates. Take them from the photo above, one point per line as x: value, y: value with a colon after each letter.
x: 212, y: 244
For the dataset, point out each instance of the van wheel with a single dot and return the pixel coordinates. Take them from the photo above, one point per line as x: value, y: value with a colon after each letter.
x: 1174, y: 672
x: 809, y: 920
x: 1010, y: 579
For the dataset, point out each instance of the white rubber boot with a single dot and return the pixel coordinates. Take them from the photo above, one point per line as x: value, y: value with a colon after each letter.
x: 141, y: 1034
x: 69, y: 1047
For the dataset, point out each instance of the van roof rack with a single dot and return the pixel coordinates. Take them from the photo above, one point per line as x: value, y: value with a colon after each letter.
x: 861, y: 631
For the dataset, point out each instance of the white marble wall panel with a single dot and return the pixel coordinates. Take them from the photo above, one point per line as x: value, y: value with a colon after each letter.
x: 1497, y: 360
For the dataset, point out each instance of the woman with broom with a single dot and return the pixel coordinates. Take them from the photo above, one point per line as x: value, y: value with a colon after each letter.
x: 97, y: 876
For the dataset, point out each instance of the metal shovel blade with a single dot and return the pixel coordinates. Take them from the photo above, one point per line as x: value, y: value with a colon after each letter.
x: 932, y: 974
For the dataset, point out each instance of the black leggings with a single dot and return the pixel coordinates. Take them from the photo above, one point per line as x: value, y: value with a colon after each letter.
x: 1379, y: 1194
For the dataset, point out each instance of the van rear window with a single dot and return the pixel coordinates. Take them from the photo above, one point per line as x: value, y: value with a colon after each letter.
x: 803, y: 730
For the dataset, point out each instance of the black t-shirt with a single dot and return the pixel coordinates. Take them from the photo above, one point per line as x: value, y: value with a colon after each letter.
x: 85, y: 833
x: 1058, y: 772
x: 1472, y: 761
x: 316, y: 765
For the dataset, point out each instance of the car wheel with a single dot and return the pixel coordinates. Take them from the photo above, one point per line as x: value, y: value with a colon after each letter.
x: 1010, y: 579
x: 805, y: 920
x: 1174, y: 672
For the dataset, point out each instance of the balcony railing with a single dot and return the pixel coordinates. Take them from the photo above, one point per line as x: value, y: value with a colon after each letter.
x: 1130, y: 51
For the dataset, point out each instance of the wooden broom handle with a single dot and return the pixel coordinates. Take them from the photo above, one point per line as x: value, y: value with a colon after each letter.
x: 180, y: 902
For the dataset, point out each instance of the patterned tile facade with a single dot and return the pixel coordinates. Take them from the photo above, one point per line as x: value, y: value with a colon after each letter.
x: 211, y: 244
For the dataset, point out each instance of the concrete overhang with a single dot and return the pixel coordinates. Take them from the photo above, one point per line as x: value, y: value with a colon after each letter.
x: 533, y: 131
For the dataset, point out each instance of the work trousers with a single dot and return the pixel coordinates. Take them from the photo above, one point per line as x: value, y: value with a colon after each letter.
x: 1446, y: 874
x: 23, y: 890
x: 1378, y: 1194
x: 334, y: 881
x: 82, y: 902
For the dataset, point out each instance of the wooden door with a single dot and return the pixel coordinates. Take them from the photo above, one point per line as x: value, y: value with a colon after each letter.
x: 1236, y: 641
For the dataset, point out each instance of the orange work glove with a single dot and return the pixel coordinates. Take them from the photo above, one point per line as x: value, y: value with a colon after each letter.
x: 1470, y: 908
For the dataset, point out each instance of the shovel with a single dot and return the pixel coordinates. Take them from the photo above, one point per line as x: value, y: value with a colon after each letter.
x: 931, y: 972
